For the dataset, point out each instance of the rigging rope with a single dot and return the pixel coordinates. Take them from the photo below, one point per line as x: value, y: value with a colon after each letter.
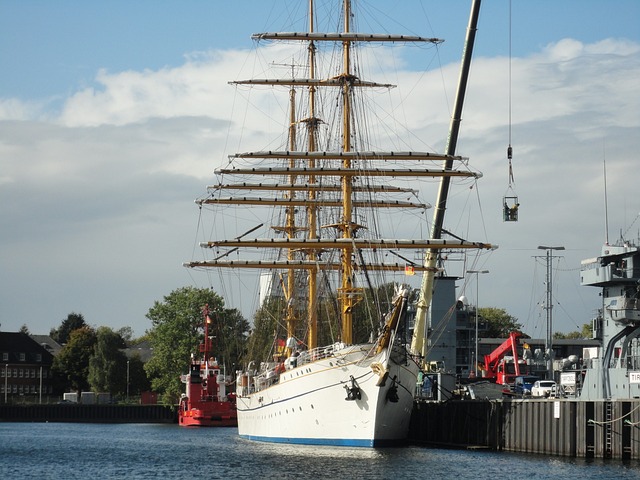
x: 510, y: 200
x: 597, y: 422
x: 510, y: 148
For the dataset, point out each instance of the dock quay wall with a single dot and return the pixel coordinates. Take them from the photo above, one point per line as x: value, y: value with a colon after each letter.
x: 88, y: 413
x: 561, y: 427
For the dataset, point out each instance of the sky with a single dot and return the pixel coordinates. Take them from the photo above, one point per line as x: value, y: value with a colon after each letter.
x: 114, y: 115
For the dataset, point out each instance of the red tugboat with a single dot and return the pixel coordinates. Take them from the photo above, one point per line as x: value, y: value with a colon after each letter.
x: 206, y: 402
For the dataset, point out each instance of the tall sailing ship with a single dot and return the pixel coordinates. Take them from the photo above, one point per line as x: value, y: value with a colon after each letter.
x: 336, y: 191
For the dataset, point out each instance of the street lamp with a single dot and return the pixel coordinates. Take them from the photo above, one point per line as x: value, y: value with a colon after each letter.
x: 127, y: 381
x: 549, y: 307
x: 477, y: 272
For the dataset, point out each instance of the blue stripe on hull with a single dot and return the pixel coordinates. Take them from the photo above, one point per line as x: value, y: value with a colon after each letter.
x: 336, y: 442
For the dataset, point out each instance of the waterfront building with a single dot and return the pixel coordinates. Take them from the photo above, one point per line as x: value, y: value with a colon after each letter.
x: 25, y: 371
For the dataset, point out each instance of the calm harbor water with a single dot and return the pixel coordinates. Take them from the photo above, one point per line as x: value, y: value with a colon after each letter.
x: 74, y: 450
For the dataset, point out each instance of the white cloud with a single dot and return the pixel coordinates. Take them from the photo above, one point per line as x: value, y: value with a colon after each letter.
x: 14, y: 109
x: 199, y: 87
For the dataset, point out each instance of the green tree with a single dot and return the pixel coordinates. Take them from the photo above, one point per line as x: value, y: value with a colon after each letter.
x: 230, y: 330
x: 68, y: 325
x: 126, y: 333
x: 586, y: 332
x: 267, y: 328
x: 177, y: 326
x: 499, y: 323
x: 108, y: 364
x: 138, y: 380
x: 24, y: 329
x: 72, y: 363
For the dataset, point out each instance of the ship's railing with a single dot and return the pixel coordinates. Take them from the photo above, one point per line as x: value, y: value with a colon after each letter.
x: 308, y: 356
x: 213, y: 398
x: 594, y: 272
x: 633, y: 362
x: 269, y: 372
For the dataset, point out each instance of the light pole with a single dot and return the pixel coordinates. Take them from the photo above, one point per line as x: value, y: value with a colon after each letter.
x: 477, y: 272
x: 549, y: 308
x: 127, y: 381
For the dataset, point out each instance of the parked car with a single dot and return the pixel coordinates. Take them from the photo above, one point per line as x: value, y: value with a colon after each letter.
x: 543, y: 388
x: 523, y: 384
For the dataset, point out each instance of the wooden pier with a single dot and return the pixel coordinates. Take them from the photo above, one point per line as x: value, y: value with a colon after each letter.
x: 572, y: 428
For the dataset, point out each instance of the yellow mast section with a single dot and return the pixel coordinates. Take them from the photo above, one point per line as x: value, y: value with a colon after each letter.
x: 290, y: 316
x: 348, y: 294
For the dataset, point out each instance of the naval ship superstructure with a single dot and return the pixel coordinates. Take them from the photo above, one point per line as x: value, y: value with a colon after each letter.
x: 612, y: 371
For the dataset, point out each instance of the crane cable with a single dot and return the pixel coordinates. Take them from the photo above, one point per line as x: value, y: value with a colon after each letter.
x: 509, y: 148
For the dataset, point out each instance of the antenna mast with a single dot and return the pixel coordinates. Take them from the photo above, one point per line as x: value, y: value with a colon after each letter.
x: 606, y: 206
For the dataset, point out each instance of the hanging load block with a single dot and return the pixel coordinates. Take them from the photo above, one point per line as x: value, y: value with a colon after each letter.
x: 510, y: 211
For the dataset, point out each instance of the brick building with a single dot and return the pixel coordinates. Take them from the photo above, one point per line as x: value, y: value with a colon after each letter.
x: 25, y: 369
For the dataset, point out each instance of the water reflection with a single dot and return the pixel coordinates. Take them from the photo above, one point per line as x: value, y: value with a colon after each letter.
x: 32, y: 450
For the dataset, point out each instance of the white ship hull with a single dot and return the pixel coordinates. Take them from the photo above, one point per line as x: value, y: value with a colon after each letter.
x: 308, y: 403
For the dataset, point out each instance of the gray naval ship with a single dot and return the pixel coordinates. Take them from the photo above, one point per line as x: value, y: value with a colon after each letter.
x: 612, y: 371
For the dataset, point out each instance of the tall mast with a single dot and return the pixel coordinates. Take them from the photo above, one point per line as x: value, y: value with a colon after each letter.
x: 418, y: 344
x: 290, y: 317
x: 206, y: 347
x: 312, y: 123
x: 348, y: 293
